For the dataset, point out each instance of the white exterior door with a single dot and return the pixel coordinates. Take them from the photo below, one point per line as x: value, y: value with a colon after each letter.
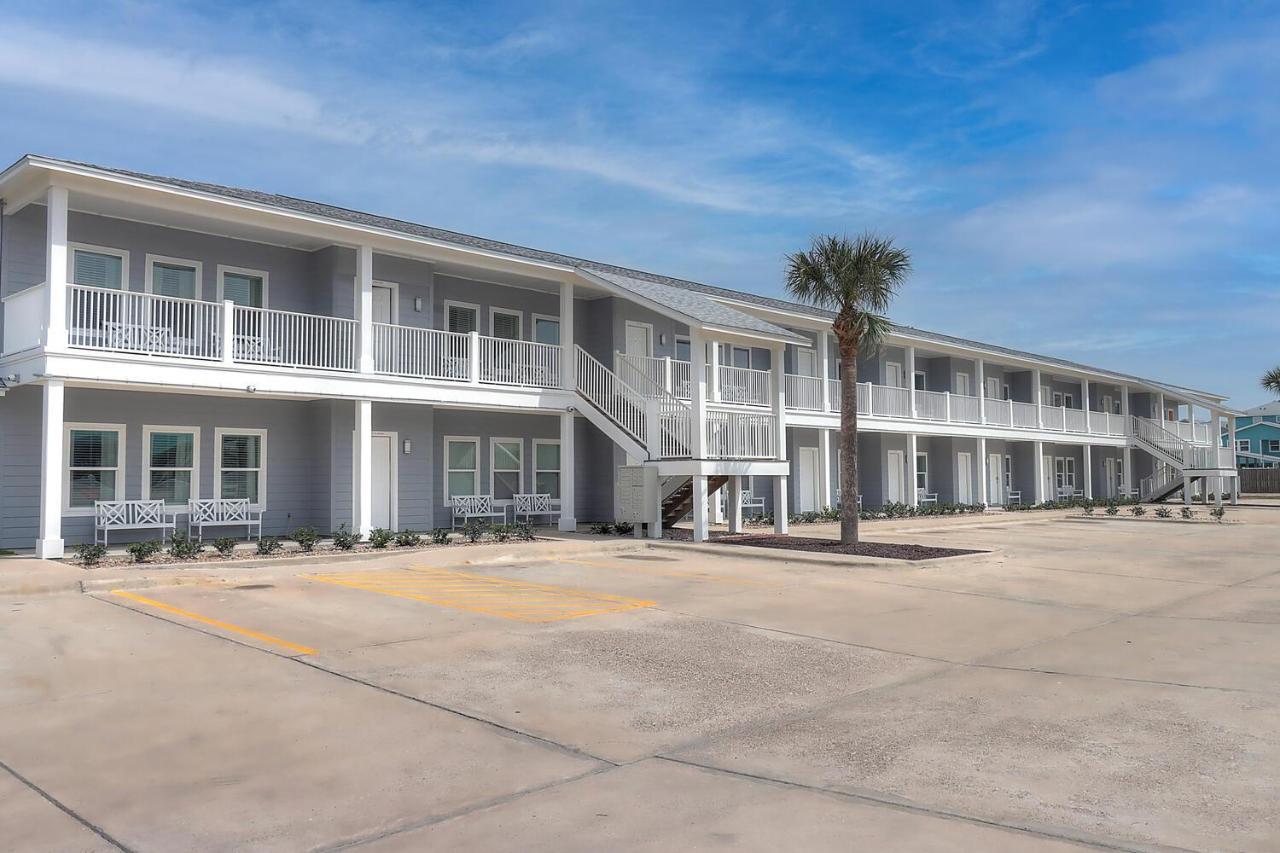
x: 995, y: 479
x: 964, y: 477
x: 639, y: 339
x: 1111, y: 476
x: 893, y: 375
x: 383, y: 480
x: 807, y: 497
x: 383, y: 304
x: 1050, y: 491
x: 993, y: 387
x: 897, y: 473
x: 806, y: 362
x: 962, y: 384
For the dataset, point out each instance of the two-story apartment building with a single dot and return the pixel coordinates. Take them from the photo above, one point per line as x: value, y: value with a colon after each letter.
x: 173, y: 340
x: 1257, y: 437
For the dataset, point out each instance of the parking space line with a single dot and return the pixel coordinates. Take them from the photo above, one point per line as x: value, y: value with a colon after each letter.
x: 522, y: 601
x: 217, y: 623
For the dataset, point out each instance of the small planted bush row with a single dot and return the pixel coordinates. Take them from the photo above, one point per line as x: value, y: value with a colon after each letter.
x: 618, y: 528
x: 1138, y: 511
x: 182, y: 548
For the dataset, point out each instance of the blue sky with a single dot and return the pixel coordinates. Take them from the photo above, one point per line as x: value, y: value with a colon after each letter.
x: 1096, y: 181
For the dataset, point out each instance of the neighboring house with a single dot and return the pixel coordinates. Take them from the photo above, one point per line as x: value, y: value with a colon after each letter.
x: 169, y: 340
x: 1257, y: 438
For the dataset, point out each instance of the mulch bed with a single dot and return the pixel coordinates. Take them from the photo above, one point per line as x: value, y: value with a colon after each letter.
x: 885, y: 550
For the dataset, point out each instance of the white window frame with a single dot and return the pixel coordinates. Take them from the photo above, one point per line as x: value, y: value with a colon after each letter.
x: 1271, y: 445
x: 675, y: 340
x: 494, y: 440
x: 223, y: 269
x: 218, y: 433
x: 1068, y: 400
x: 148, y: 282
x: 122, y: 254
x: 1008, y: 470
x: 1008, y: 393
x: 453, y: 303
x: 924, y: 380
x: 1242, y: 445
x: 194, y: 431
x: 473, y: 439
x: 498, y: 309
x: 121, y: 433
x: 538, y: 442
x: 1064, y: 473
x: 533, y: 325
x: 922, y: 471
x: 733, y: 350
x: 1057, y: 399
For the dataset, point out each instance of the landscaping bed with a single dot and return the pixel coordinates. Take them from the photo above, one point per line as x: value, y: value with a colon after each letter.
x: 885, y: 550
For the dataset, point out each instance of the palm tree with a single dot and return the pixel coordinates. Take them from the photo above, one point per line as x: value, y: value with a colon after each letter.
x: 856, y: 280
x: 1271, y: 380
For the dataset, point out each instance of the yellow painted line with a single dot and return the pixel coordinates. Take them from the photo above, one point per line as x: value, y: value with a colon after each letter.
x: 522, y: 601
x: 217, y: 623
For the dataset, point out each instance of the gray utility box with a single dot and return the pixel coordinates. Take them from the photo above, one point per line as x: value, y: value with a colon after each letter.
x: 637, y: 494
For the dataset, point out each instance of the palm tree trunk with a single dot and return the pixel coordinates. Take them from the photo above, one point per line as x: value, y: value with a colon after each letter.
x: 848, y: 442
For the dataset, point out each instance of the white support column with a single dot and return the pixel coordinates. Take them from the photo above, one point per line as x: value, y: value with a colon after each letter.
x: 715, y: 371
x: 984, y: 496
x: 1160, y: 413
x: 700, y: 525
x: 697, y: 394
x: 56, y: 260
x: 1231, y: 443
x: 568, y: 364
x: 777, y: 379
x: 1035, y: 397
x: 1126, y: 471
x: 1039, y: 450
x: 364, y: 305
x: 911, y: 379
x: 228, y: 338
x: 1124, y: 408
x: 982, y: 392
x: 715, y: 509
x: 50, y: 546
x: 913, y: 470
x: 824, y: 369
x: 825, y: 493
x: 1088, y: 471
x: 781, y: 509
x: 568, y: 493
x: 1084, y: 402
x: 1186, y: 490
x: 735, y: 504
x: 362, y: 487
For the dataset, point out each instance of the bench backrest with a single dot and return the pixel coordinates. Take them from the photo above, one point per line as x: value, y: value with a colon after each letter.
x: 222, y: 510
x: 473, y: 505
x: 533, y: 504
x: 128, y: 513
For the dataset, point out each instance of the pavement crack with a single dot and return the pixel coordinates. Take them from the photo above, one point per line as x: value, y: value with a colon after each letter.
x: 67, y: 810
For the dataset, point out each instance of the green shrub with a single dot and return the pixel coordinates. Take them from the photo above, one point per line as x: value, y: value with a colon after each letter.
x: 90, y: 553
x: 523, y: 531
x: 1088, y: 510
x: 1137, y: 510
x: 408, y: 539
x: 345, y: 539
x: 1112, y: 509
x: 440, y: 536
x: 306, y: 537
x: 268, y: 545
x: 1218, y: 513
x: 183, y: 547
x: 475, y: 531
x: 1188, y: 513
x: 623, y: 528
x: 1164, y: 512
x: 602, y: 528
x: 501, y: 532
x: 380, y: 537
x: 225, y: 545
x: 143, y: 551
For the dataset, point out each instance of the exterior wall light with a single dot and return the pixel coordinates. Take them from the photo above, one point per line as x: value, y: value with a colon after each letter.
x: 408, y: 447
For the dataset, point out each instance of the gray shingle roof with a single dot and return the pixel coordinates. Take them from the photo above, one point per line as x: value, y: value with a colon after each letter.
x: 680, y: 294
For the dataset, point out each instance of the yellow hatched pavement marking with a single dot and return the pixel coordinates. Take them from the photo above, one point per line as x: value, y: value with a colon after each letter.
x: 216, y: 623
x: 510, y: 599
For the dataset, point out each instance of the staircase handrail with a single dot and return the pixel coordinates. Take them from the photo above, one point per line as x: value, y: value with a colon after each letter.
x: 1153, y: 435
x: 641, y: 415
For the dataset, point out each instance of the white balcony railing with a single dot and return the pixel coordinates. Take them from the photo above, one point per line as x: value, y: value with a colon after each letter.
x: 741, y: 435
x: 510, y: 362
x: 1025, y: 415
x: 126, y: 321
x: 290, y: 339
x: 421, y: 353
x: 931, y: 406
x: 24, y: 318
x: 1074, y: 420
x: 804, y: 392
x: 745, y: 386
x: 889, y: 402
x: 964, y: 409
x: 1052, y: 417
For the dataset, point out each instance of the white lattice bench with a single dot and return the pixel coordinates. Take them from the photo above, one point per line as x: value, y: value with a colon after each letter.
x: 131, y: 515
x: 468, y: 507
x: 534, y: 504
x: 223, y: 512
x: 751, y: 501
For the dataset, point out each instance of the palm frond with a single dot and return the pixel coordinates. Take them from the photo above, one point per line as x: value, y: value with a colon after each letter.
x: 1271, y: 380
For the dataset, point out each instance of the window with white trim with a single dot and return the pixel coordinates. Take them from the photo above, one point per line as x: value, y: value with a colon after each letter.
x: 1008, y: 470
x: 1242, y: 445
x: 240, y: 463
x: 546, y: 468
x: 922, y: 472
x: 171, y: 460
x: 461, y: 317
x: 505, y: 323
x: 506, y: 468
x: 173, y: 277
x: 682, y: 349
x: 1064, y: 472
x: 546, y: 329
x: 462, y: 467
x: 98, y: 266
x: 243, y: 286
x: 1272, y: 445
x: 94, y: 464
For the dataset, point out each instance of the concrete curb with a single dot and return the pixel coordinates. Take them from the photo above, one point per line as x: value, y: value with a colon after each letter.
x: 782, y: 555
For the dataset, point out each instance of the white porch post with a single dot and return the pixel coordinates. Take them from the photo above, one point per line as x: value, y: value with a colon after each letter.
x: 1084, y: 401
x: 568, y: 365
x: 913, y: 470
x: 364, y: 305
x: 700, y: 525
x: 50, y: 545
x: 568, y: 502
x: 715, y: 509
x: 776, y: 376
x: 715, y: 371
x: 56, y: 260
x: 825, y: 494
x: 1186, y: 490
x: 362, y: 488
x: 1035, y: 396
x: 1088, y: 471
x: 1039, y: 490
x: 982, y: 393
x: 983, y: 478
x: 1124, y: 411
x: 1126, y: 472
x: 824, y: 369
x: 735, y: 504
x: 911, y: 379
x: 697, y: 395
x: 1231, y: 443
x: 781, y: 509
x: 1160, y: 413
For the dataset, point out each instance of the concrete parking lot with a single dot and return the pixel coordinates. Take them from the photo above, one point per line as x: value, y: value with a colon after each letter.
x: 1086, y: 684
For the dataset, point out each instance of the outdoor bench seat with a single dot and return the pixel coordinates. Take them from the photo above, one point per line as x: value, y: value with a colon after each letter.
x: 468, y: 507
x: 530, y: 505
x: 223, y: 512
x: 131, y: 515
